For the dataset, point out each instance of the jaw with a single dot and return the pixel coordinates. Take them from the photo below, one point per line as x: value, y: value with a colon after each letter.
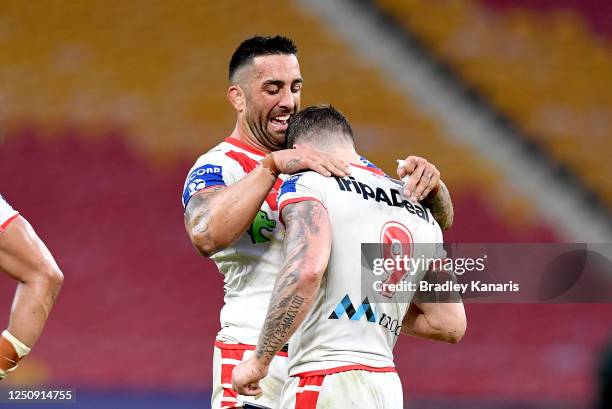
x: 265, y: 137
x: 276, y: 127
x: 277, y: 138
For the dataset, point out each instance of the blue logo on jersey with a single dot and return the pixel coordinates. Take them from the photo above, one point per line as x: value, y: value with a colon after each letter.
x: 346, y: 306
x: 200, y: 178
x: 368, y: 163
x: 288, y: 185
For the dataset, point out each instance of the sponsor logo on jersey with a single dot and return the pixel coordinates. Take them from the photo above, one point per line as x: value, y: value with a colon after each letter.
x: 288, y: 185
x: 365, y: 309
x: 346, y: 306
x: 391, y: 197
x: 201, y: 178
x: 367, y: 163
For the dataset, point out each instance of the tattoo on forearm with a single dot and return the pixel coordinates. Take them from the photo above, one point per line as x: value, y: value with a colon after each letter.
x: 287, y: 300
x: 293, y: 166
x: 441, y: 207
x: 276, y: 336
x: 197, y: 215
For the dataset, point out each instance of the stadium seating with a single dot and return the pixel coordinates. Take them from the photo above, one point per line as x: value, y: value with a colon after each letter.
x: 547, y: 65
x: 159, y: 74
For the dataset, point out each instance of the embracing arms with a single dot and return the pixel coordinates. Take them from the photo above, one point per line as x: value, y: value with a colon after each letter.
x: 216, y: 217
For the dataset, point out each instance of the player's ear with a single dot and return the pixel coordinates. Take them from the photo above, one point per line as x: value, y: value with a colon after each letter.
x: 235, y: 94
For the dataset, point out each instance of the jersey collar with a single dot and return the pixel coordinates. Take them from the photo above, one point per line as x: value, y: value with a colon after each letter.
x: 244, y: 146
x: 376, y: 171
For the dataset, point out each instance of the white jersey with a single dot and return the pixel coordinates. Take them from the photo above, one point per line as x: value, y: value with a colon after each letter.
x: 250, y: 265
x: 346, y: 329
x: 7, y: 214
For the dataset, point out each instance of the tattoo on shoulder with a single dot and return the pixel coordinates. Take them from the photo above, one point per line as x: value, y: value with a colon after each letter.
x: 196, y: 211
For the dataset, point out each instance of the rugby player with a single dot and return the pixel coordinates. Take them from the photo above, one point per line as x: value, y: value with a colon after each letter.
x: 24, y: 257
x: 343, y: 363
x: 230, y: 200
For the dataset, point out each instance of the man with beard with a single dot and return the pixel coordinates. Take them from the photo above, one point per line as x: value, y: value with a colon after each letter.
x: 230, y: 200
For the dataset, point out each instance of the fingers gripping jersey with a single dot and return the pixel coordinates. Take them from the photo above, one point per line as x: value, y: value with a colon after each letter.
x: 346, y: 328
x: 251, y: 264
x: 7, y: 214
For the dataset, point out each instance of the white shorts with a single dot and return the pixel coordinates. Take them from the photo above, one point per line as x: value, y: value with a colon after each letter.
x: 225, y: 358
x: 357, y: 389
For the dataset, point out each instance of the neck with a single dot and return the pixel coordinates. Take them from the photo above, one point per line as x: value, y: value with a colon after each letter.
x: 345, y: 153
x: 242, y: 133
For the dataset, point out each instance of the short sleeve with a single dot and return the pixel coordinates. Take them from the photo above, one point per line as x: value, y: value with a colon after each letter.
x: 299, y: 188
x: 211, y: 169
x: 7, y: 214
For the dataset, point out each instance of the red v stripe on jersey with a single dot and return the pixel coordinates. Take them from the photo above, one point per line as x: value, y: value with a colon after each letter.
x: 240, y: 144
x: 248, y: 164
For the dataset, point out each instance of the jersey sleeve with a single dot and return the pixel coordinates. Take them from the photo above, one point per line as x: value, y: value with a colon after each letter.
x: 299, y: 188
x: 7, y: 214
x: 211, y: 169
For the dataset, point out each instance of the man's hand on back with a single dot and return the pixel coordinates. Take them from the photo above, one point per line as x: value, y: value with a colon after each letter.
x: 423, y: 184
x: 423, y: 177
x: 290, y: 161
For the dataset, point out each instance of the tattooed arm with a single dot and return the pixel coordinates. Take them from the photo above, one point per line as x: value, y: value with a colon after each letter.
x: 216, y: 217
x: 307, y: 249
x: 423, y: 184
x: 441, y: 206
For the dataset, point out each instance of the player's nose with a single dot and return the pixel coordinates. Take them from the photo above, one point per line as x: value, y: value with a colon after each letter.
x: 287, y: 100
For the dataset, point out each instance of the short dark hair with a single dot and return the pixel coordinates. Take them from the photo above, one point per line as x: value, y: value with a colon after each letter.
x: 313, y: 119
x: 257, y: 46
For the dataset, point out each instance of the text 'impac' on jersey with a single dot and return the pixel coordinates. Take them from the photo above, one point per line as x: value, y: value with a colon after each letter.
x: 394, y: 198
